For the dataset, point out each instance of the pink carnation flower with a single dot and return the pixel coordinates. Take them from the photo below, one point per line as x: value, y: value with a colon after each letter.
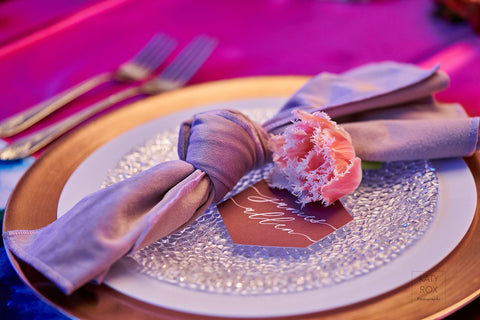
x: 314, y: 159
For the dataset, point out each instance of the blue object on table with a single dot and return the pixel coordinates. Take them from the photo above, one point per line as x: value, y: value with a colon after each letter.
x: 17, y: 300
x: 10, y: 173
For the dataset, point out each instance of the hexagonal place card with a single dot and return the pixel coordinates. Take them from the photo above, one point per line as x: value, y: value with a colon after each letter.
x: 263, y: 216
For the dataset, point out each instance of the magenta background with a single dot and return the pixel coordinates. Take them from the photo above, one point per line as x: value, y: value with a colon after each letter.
x: 48, y: 46
x: 276, y: 37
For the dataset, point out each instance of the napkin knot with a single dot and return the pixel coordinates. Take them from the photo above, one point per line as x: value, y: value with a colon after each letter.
x: 225, y: 144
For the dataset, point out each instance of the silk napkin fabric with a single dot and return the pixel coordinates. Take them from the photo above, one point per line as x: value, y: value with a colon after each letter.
x: 387, y: 108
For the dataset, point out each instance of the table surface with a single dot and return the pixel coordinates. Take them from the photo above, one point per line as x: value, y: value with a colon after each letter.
x: 46, y: 48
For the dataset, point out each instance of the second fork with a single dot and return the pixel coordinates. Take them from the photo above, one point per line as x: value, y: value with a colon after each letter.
x: 139, y: 68
x: 174, y: 76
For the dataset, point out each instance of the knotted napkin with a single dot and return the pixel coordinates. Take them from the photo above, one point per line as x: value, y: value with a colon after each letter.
x: 386, y: 107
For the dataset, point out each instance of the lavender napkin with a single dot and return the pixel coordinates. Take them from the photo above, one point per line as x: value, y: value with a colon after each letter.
x: 386, y: 107
x: 388, y: 110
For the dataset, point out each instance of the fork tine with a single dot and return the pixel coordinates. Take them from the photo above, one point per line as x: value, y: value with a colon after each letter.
x: 162, y: 54
x: 155, y: 51
x: 189, y: 60
x: 142, y: 54
x: 187, y: 73
x: 193, y: 60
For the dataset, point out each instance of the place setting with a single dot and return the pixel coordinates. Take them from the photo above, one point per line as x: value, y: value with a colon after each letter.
x: 328, y: 196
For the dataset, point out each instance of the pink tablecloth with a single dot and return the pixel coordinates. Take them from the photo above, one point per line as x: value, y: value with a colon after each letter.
x: 46, y: 48
x: 256, y: 38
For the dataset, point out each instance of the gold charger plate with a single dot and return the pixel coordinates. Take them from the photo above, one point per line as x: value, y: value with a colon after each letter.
x: 34, y: 201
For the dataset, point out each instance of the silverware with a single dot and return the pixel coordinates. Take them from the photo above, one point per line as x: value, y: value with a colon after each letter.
x: 138, y: 68
x: 174, y: 76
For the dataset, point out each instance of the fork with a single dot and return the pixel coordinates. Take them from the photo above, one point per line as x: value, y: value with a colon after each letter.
x: 174, y: 76
x: 140, y: 67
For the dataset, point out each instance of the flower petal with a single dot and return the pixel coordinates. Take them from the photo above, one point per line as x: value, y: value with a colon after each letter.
x: 314, y: 159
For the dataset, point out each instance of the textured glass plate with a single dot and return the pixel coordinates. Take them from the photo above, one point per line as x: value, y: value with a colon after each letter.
x: 393, y: 209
